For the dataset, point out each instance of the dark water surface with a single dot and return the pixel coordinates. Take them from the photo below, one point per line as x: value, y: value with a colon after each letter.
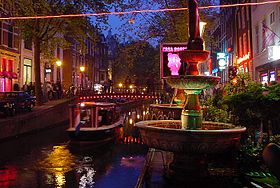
x: 47, y: 159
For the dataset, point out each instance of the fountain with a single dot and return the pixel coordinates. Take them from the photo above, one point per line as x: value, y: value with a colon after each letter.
x: 190, y: 139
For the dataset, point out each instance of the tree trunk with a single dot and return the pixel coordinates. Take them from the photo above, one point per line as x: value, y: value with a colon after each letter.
x: 37, y: 67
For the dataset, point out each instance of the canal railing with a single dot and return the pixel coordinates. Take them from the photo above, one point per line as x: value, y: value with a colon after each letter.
x: 94, y: 96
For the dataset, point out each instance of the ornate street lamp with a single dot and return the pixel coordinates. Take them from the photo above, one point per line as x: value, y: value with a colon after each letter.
x: 58, y: 64
x: 121, y: 86
x: 82, y: 69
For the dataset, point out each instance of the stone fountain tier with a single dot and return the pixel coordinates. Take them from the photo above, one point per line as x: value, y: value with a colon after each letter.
x: 192, y: 84
x: 165, y: 111
x: 168, y: 135
x: 194, y: 55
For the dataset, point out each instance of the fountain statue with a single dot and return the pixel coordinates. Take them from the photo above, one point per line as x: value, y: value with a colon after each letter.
x: 190, y: 138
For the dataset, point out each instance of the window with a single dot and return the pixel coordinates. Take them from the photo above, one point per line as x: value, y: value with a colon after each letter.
x: 58, y: 52
x: 247, y: 13
x: 272, y: 18
x: 245, y: 49
x: 257, y: 38
x: 279, y: 12
x: 10, y: 36
x: 28, y: 44
x: 27, y: 71
x: 240, y: 47
x: 0, y: 32
x: 263, y: 35
x: 243, y: 17
x: 239, y: 21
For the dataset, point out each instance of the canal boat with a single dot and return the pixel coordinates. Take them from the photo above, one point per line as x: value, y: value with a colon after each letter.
x: 94, y: 122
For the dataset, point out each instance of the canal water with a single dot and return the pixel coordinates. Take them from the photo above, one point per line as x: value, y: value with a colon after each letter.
x: 48, y: 159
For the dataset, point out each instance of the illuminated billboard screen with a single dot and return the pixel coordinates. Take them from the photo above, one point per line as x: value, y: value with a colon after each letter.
x: 170, y: 62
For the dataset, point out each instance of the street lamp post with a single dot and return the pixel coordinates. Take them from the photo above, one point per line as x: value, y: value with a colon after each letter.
x: 121, y: 86
x: 58, y: 63
x: 58, y: 84
x: 82, y: 69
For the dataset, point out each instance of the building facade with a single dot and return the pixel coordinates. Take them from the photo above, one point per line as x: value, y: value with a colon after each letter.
x: 235, y: 41
x: 266, y: 42
x: 9, y: 56
x: 244, y: 38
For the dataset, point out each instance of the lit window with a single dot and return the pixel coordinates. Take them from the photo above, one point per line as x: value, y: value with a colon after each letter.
x: 240, y: 47
x: 245, y: 49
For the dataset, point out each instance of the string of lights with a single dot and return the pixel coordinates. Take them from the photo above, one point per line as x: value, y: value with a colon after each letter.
x: 134, y: 11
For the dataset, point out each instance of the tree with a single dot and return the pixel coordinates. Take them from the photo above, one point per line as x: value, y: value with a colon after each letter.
x: 47, y: 34
x: 137, y: 59
x: 169, y: 26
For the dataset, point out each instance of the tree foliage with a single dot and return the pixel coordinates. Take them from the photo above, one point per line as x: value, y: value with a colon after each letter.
x: 137, y: 59
x: 48, y: 34
x: 170, y: 26
x: 253, y: 103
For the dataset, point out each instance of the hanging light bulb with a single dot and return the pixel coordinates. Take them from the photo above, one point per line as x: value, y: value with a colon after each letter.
x: 131, y: 21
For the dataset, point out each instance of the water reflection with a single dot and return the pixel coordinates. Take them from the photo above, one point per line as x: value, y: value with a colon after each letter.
x: 47, y: 159
x: 56, y: 163
x: 86, y: 172
x: 8, y: 176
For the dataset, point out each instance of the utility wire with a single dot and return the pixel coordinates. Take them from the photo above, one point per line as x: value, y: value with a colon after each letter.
x: 133, y: 11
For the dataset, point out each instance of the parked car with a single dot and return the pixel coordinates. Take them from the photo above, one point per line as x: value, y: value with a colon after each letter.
x: 12, y: 102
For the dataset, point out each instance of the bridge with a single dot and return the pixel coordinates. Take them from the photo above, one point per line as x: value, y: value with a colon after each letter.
x: 95, y: 96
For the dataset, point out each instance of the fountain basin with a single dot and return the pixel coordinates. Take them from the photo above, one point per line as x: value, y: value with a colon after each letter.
x: 192, y: 84
x: 168, y: 135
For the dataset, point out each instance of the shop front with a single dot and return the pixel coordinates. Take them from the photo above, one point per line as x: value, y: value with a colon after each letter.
x: 243, y: 63
x: 270, y: 71
x: 8, y: 75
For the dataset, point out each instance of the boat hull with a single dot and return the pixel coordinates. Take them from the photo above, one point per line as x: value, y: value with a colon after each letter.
x: 105, y: 133
x: 93, y: 135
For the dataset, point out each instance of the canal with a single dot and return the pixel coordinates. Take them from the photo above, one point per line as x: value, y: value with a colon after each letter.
x: 48, y: 159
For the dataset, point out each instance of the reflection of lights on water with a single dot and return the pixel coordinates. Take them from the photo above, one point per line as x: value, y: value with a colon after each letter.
x: 129, y: 113
x: 130, y: 121
x: 86, y: 172
x: 87, y: 179
x: 60, y: 179
x: 58, y: 162
x: 132, y: 162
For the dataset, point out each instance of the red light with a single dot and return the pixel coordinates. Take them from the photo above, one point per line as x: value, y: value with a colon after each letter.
x: 229, y: 49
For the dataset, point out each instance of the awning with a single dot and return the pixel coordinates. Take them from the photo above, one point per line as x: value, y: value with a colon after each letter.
x: 8, y: 74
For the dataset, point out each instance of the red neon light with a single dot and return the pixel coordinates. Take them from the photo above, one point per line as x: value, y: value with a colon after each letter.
x: 244, y: 58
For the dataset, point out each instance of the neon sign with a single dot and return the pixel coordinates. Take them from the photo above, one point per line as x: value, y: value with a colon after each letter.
x: 170, y: 62
x: 173, y: 49
x: 174, y: 63
x: 273, y: 53
x: 244, y: 58
x: 222, y: 60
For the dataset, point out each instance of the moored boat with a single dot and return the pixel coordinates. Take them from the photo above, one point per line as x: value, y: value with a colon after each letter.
x: 94, y: 122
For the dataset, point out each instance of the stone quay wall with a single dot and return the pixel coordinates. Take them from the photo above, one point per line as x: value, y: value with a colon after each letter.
x: 53, y: 113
